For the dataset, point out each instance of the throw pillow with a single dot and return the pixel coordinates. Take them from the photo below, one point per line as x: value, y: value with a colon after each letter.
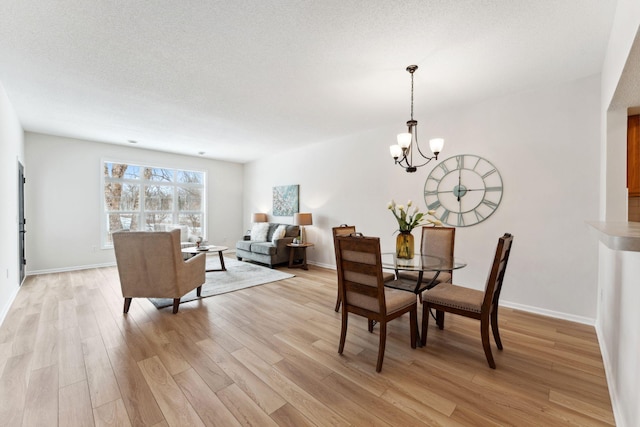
x: 259, y: 231
x: 279, y: 233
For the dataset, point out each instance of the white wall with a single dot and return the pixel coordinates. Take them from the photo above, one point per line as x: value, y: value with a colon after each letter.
x: 63, y: 199
x: 11, y: 151
x: 544, y: 142
x: 618, y: 322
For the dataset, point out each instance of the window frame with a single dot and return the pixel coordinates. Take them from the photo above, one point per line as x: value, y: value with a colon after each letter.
x: 141, y: 182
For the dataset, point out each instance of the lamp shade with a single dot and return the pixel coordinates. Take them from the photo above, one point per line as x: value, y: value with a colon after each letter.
x: 436, y: 144
x: 395, y: 150
x: 259, y: 217
x: 302, y: 219
x: 404, y: 140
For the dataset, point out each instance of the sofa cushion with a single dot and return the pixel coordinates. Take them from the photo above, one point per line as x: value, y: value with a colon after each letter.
x: 259, y: 231
x: 245, y: 245
x: 292, y: 231
x: 266, y: 248
x: 279, y: 233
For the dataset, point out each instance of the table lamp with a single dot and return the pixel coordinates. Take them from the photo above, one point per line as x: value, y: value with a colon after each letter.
x: 259, y: 217
x: 302, y: 219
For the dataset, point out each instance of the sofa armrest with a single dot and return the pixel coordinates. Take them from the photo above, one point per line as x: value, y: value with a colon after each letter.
x: 281, y: 244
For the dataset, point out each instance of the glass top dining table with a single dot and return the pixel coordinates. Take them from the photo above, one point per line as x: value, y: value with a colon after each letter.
x: 420, y: 264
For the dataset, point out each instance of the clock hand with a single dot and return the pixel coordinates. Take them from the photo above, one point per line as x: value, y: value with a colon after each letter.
x: 468, y: 189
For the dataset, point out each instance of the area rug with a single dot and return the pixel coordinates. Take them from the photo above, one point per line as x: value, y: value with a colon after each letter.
x: 239, y: 275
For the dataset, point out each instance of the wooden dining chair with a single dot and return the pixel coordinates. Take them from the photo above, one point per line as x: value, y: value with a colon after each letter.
x: 438, y: 242
x: 471, y: 302
x: 364, y: 292
x: 346, y: 230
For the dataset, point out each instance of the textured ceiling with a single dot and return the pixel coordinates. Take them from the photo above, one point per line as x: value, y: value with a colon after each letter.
x: 242, y: 79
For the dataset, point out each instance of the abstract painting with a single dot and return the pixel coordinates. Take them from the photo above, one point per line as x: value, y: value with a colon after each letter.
x: 285, y: 200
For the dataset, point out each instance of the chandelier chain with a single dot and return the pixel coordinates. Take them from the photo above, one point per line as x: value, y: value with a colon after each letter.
x: 411, y: 96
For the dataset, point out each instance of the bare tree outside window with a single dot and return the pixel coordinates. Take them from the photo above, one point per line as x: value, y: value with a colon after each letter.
x: 158, y: 198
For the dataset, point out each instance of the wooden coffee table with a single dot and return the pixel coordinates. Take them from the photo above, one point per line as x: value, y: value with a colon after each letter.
x: 194, y: 250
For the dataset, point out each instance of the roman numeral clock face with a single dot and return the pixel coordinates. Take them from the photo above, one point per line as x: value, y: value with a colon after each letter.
x: 464, y: 190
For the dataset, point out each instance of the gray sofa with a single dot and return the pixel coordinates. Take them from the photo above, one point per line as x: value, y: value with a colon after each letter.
x: 270, y: 252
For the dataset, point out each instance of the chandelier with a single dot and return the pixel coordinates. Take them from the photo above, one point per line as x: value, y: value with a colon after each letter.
x: 405, y: 149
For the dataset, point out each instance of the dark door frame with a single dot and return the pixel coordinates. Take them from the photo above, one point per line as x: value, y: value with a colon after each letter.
x: 21, y: 223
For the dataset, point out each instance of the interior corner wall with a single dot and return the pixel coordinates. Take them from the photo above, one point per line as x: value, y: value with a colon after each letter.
x: 63, y: 199
x: 618, y: 322
x: 11, y: 152
x: 544, y: 142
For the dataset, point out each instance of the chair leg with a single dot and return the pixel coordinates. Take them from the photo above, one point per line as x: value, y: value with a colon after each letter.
x: 413, y: 327
x: 381, y: 346
x: 338, y: 302
x: 127, y: 304
x: 343, y: 332
x: 199, y: 289
x: 425, y: 324
x: 370, y: 324
x: 484, y: 332
x: 176, y: 304
x: 494, y: 327
x: 440, y: 319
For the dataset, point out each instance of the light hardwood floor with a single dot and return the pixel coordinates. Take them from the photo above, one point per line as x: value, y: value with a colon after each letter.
x: 267, y: 356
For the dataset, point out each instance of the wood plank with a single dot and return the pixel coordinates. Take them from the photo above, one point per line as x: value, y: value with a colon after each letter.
x: 174, y: 405
x: 210, y: 372
x: 13, y: 388
x: 75, y: 405
x: 295, y: 395
x: 252, y: 386
x: 111, y: 414
x: 102, y: 382
x: 288, y: 416
x: 243, y: 408
x: 71, y: 367
x: 277, y: 363
x: 41, y: 406
x: 206, y: 403
x: 137, y: 398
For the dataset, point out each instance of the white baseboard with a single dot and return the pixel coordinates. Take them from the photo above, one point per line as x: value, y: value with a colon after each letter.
x: 550, y: 313
x: 606, y: 360
x: 8, y: 303
x: 64, y: 269
x: 522, y: 307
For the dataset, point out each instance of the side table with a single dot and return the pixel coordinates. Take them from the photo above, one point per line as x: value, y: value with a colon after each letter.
x: 303, y: 247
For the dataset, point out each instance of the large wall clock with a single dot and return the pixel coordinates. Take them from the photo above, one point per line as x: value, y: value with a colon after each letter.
x: 463, y: 190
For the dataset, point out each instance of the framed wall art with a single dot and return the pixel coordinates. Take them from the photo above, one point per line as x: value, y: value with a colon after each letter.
x: 285, y: 200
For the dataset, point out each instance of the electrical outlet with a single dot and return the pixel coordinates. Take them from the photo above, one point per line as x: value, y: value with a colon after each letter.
x: 95, y: 248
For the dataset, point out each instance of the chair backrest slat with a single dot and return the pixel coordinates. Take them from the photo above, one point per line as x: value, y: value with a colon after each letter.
x: 498, y: 269
x: 359, y: 267
x: 343, y: 230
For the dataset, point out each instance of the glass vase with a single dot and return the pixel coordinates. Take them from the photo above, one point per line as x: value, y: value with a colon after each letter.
x: 404, y: 245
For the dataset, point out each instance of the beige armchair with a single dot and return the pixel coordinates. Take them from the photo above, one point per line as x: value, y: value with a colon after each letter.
x: 150, y: 265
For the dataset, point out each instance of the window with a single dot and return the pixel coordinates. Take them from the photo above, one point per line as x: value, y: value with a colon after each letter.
x: 146, y: 198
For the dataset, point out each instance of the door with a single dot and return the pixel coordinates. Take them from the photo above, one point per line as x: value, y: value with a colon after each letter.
x: 21, y: 223
x: 633, y: 167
